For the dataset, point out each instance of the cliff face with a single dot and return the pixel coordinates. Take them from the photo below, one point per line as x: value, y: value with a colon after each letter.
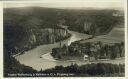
x: 32, y: 38
x: 49, y: 35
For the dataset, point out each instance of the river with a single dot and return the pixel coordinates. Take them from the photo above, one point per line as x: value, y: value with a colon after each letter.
x: 40, y: 58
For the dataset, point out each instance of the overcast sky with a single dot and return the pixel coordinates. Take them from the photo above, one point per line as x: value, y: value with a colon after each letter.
x: 116, y: 4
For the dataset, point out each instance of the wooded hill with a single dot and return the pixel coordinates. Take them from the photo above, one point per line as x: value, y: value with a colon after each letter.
x: 21, y: 24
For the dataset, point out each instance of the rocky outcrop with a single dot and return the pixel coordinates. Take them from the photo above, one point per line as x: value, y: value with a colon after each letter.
x: 49, y: 35
x: 35, y: 37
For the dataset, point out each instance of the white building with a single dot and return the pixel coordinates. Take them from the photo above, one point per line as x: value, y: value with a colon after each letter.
x: 85, y: 57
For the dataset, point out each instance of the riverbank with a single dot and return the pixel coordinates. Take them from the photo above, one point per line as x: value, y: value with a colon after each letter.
x: 22, y: 51
x: 77, y: 60
x: 98, y: 44
x: 38, y: 63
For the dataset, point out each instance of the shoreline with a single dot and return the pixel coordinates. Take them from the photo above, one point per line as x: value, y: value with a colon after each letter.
x: 71, y: 60
x: 38, y: 63
x: 35, y: 46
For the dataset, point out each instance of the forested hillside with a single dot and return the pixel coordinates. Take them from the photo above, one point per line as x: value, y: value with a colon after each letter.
x: 23, y: 25
x: 26, y: 28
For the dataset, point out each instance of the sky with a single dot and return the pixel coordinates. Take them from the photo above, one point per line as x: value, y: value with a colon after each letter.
x: 116, y: 4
